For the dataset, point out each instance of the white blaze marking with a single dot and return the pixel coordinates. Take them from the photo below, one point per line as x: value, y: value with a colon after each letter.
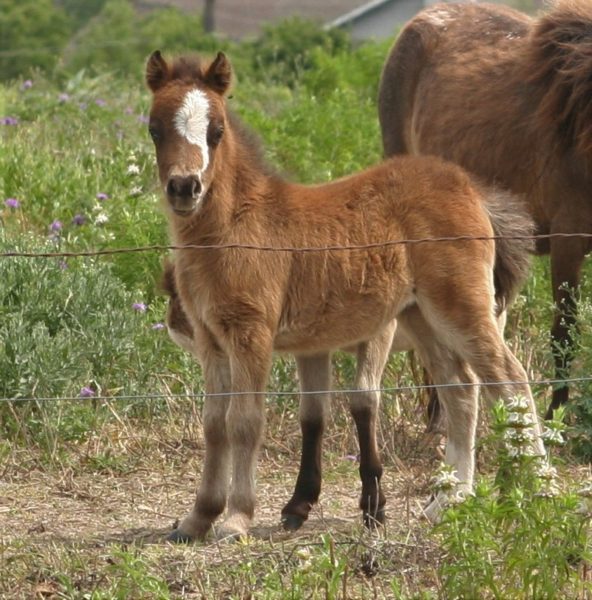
x: 191, y: 121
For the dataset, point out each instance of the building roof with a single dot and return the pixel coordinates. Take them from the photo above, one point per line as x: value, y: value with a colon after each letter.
x: 357, y: 13
x: 240, y: 18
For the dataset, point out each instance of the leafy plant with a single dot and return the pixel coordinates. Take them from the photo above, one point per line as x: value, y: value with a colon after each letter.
x: 520, y: 536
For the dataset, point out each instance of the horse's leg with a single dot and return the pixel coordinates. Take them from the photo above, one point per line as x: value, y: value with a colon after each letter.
x: 249, y: 366
x: 466, y: 325
x: 372, y: 357
x: 459, y: 403
x: 212, y: 491
x: 314, y: 373
x: 567, y: 256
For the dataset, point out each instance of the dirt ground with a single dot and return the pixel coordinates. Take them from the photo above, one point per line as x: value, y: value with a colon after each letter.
x: 62, y: 525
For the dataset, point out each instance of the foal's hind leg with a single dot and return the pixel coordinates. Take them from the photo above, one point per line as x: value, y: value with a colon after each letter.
x: 469, y: 328
x: 372, y: 357
x: 315, y: 376
x: 460, y: 402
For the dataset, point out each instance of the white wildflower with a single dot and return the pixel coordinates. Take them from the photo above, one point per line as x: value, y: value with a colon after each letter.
x: 135, y: 191
x: 519, y: 420
x: 586, y: 490
x: 445, y: 478
x: 551, y: 490
x: 133, y: 169
x: 552, y: 437
x: 101, y: 219
x: 519, y: 404
x: 546, y: 472
x: 519, y: 437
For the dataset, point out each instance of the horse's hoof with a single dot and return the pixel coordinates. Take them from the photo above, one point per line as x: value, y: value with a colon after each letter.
x: 292, y: 522
x: 225, y: 534
x: 178, y: 537
x: 375, y: 520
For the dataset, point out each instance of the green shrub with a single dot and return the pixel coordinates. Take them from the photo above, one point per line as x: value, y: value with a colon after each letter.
x: 32, y: 35
x: 119, y: 39
x: 521, y: 536
x: 66, y: 325
x: 285, y: 51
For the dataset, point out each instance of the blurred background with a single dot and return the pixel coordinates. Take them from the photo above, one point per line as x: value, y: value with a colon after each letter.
x: 70, y: 34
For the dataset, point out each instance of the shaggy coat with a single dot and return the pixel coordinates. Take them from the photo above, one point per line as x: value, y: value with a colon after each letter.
x: 242, y: 303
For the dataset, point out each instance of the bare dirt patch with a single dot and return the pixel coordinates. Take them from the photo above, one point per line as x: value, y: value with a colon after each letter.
x: 70, y: 527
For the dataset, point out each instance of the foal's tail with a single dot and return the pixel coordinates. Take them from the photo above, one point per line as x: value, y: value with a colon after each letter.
x: 511, y: 223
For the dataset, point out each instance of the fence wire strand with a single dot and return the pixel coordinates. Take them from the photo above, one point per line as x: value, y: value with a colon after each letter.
x: 264, y: 248
x: 279, y: 393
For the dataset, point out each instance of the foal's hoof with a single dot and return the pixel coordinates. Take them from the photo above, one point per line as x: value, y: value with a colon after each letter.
x: 178, y: 537
x: 374, y: 520
x: 292, y: 522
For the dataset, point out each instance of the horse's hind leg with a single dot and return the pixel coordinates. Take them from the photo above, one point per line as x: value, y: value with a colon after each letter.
x: 567, y: 256
x: 459, y: 402
x: 469, y: 328
x: 315, y: 376
x: 372, y: 357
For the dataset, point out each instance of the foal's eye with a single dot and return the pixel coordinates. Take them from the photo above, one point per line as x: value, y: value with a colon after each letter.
x: 154, y: 134
x: 215, y: 134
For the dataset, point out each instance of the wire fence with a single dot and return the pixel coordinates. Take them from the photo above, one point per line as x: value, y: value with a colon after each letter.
x: 280, y: 393
x: 265, y: 248
x: 295, y: 249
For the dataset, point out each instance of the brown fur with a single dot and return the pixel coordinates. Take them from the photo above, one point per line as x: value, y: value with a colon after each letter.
x: 243, y: 304
x: 508, y: 98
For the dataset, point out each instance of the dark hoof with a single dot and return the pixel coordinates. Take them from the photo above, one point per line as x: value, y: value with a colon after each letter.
x: 292, y: 522
x: 178, y: 537
x: 374, y: 520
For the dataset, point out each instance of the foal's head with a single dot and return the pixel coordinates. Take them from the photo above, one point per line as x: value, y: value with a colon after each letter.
x: 187, y: 122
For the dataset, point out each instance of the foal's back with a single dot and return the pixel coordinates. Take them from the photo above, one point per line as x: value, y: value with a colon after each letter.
x: 346, y: 296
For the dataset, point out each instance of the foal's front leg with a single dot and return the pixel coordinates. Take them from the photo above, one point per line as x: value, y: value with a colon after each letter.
x: 211, y: 495
x: 245, y: 421
x: 314, y: 373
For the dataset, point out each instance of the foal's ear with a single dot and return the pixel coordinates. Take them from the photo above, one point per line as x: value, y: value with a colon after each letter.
x: 218, y: 74
x: 157, y: 71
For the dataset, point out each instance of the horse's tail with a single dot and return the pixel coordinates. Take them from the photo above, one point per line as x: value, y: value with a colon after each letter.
x: 512, y: 225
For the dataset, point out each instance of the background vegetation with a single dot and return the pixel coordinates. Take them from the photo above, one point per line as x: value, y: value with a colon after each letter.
x: 78, y: 173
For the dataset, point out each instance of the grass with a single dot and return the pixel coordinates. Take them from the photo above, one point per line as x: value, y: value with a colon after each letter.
x: 89, y: 487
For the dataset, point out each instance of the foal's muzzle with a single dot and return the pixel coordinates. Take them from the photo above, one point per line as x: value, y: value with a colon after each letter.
x: 183, y: 193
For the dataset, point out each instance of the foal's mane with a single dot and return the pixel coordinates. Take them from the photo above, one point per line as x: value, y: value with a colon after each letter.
x: 559, y: 63
x: 188, y: 68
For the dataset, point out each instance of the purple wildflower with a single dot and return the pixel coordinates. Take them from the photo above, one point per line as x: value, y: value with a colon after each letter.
x: 102, y: 196
x: 139, y: 306
x: 63, y: 97
x: 56, y: 226
x: 143, y: 119
x: 26, y: 84
x: 83, y: 105
x: 100, y: 102
x: 129, y: 110
x: 87, y: 392
x: 9, y: 121
x: 63, y: 265
x: 351, y: 457
x: 158, y: 326
x: 78, y: 219
x: 12, y: 203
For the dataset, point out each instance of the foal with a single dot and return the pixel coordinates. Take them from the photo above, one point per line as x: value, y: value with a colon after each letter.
x: 244, y: 303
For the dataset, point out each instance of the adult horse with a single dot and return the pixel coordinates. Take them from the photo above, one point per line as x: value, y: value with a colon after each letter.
x: 246, y: 292
x: 509, y: 98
